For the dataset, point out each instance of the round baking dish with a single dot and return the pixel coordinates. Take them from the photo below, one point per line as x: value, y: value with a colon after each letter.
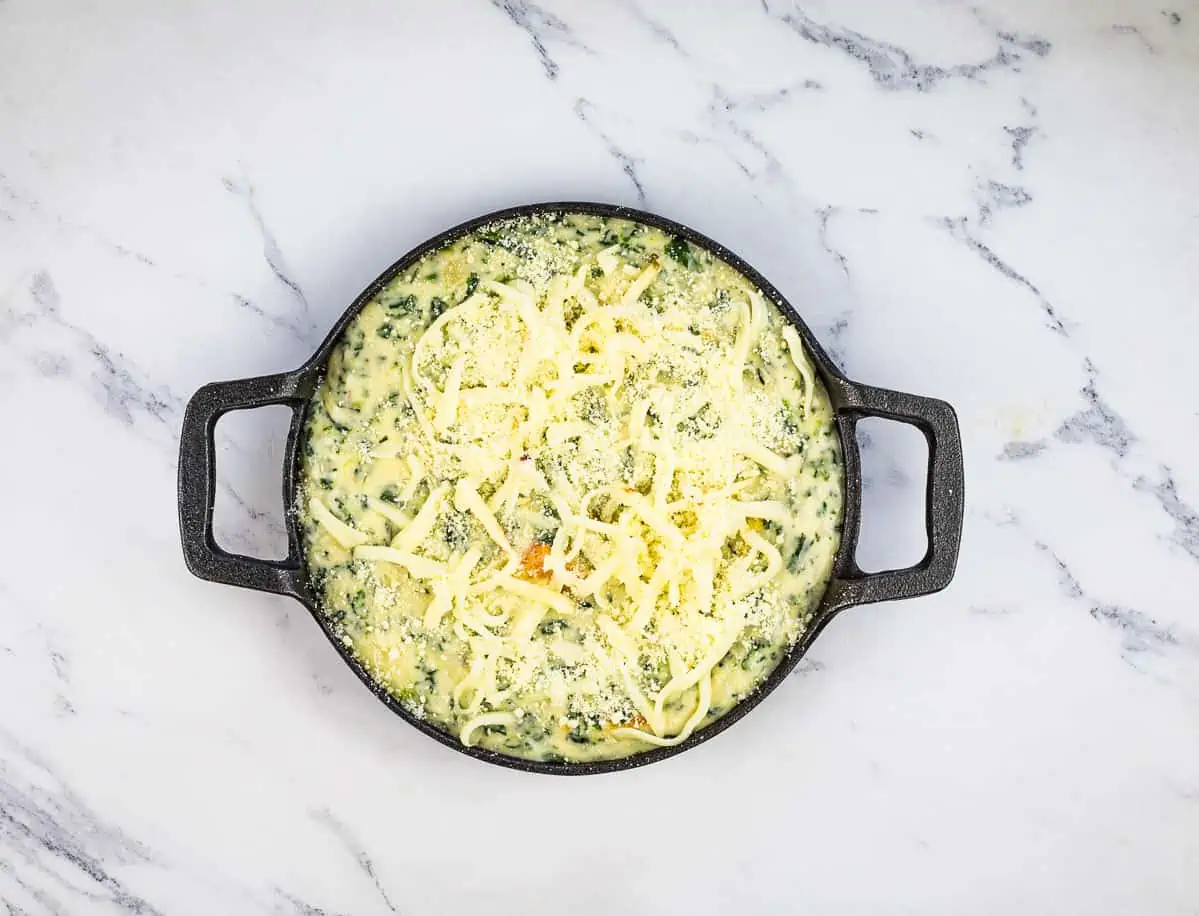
x: 851, y: 401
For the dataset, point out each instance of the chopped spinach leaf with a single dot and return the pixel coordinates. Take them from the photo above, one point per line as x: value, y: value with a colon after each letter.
x: 679, y: 250
x: 404, y: 306
x: 796, y: 557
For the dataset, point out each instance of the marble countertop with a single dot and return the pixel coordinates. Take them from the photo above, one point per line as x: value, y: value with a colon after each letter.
x: 997, y: 204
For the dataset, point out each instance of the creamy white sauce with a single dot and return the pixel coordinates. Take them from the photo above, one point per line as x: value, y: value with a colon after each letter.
x: 570, y: 488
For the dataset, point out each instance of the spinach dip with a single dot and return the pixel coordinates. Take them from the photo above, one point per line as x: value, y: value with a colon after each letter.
x: 571, y: 488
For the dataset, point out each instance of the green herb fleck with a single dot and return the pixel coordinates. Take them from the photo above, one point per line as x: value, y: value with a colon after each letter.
x: 679, y: 250
x: 796, y: 558
x: 405, y: 305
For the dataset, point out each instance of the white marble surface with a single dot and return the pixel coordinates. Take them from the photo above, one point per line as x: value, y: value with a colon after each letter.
x: 995, y: 204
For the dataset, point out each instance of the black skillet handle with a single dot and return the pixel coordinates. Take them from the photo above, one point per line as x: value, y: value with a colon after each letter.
x: 944, y: 502
x: 197, y: 485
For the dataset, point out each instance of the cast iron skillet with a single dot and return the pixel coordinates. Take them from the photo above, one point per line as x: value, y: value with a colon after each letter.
x: 851, y: 401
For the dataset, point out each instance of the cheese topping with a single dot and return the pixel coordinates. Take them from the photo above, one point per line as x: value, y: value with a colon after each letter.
x: 571, y: 488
